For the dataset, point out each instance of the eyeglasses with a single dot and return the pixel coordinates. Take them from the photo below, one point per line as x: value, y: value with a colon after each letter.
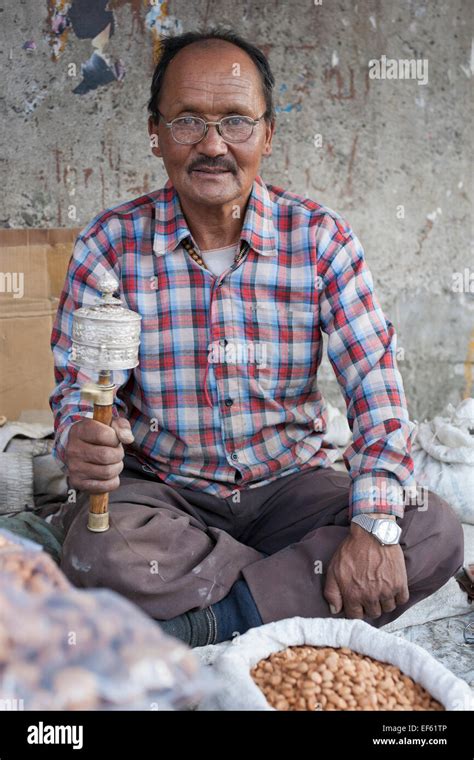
x: 188, y: 130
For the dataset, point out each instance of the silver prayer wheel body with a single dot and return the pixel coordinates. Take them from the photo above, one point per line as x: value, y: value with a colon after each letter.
x: 105, y: 335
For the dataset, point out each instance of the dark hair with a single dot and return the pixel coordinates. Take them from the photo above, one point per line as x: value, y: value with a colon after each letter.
x: 170, y: 46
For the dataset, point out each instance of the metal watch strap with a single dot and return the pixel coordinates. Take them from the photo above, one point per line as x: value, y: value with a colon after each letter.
x: 365, y: 522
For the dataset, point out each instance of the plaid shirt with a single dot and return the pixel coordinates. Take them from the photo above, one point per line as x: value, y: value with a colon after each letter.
x: 226, y: 394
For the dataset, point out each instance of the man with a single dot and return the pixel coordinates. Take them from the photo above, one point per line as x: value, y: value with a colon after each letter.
x: 228, y: 513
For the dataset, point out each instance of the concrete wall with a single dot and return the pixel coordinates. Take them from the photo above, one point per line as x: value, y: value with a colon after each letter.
x: 392, y: 154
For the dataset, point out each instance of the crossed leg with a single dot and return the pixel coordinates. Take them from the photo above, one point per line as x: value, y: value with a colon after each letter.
x: 171, y: 550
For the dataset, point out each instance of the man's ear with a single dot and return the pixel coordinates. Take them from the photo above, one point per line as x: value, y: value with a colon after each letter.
x: 154, y: 139
x: 269, y: 132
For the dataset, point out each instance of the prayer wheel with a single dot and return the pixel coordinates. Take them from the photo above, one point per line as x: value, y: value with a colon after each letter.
x: 105, y: 337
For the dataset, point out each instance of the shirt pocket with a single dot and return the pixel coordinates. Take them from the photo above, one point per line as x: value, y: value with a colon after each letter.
x: 287, y: 349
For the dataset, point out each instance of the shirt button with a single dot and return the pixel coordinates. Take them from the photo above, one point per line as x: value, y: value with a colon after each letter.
x: 228, y: 402
x: 234, y: 455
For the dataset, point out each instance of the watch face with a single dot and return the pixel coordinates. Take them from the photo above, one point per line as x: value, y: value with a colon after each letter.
x: 387, y: 531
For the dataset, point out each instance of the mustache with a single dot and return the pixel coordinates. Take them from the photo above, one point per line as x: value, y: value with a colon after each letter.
x: 211, y: 163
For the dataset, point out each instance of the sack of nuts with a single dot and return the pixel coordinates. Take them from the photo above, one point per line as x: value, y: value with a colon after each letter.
x: 84, y: 650
x: 23, y: 565
x: 327, y: 664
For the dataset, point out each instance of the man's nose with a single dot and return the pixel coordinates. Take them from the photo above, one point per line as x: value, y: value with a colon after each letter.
x: 212, y: 143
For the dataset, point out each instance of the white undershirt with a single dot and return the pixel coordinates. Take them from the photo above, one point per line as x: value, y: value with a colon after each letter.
x: 218, y: 260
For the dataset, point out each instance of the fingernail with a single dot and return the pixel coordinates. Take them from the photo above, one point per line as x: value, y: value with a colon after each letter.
x: 127, y: 437
x: 333, y: 609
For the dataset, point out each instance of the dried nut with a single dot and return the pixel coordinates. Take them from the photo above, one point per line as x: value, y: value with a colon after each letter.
x: 324, y: 678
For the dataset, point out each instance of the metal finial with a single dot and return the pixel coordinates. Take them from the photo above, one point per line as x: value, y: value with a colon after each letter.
x: 108, y: 284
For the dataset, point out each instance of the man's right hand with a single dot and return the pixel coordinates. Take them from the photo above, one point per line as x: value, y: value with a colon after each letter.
x: 94, y: 454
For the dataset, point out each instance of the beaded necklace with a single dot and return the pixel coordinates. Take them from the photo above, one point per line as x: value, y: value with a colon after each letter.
x: 189, y: 247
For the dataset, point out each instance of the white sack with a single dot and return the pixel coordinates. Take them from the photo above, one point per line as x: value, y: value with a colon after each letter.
x: 232, y: 661
x: 443, y: 454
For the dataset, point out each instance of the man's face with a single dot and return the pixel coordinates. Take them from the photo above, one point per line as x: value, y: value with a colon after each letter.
x: 213, y: 81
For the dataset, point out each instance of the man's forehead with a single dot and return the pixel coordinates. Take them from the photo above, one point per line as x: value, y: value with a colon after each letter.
x: 215, y: 88
x: 213, y: 82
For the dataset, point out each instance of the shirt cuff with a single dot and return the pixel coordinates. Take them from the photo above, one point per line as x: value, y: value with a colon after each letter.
x: 377, y: 492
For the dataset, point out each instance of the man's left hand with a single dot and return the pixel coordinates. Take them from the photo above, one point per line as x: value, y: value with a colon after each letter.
x: 365, y: 578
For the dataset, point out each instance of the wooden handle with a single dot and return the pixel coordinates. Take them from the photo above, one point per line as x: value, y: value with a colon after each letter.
x: 99, y: 502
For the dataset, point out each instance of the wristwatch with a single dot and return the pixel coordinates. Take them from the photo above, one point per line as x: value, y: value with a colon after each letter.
x: 385, y: 531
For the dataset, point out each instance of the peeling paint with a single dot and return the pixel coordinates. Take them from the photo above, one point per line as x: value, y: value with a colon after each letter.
x: 288, y: 108
x: 89, y: 17
x: 100, y: 40
x: 59, y: 26
x: 96, y: 71
x: 161, y: 24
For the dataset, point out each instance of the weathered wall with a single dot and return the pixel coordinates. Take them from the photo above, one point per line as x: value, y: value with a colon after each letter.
x: 392, y: 156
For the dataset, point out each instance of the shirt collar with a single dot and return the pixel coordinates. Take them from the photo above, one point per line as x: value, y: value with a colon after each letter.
x: 258, y: 228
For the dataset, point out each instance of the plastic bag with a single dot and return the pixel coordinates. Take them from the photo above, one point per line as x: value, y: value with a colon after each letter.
x: 25, y: 566
x: 62, y: 648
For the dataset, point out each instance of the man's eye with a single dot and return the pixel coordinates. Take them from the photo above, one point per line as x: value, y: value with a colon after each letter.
x: 236, y: 121
x: 188, y: 121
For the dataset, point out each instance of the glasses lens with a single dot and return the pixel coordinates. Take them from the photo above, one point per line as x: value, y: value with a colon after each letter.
x: 187, y: 130
x: 236, y: 128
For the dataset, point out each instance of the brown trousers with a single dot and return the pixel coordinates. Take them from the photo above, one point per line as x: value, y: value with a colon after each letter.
x: 170, y: 550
